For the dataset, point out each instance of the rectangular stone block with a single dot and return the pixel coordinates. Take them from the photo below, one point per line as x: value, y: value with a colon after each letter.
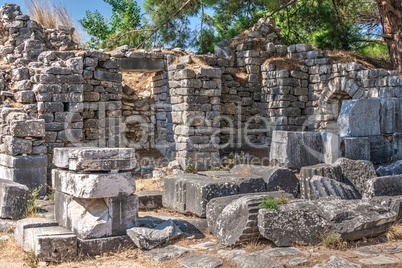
x: 355, y: 148
x: 391, y: 115
x: 191, y: 193
x: 51, y: 243
x: 95, y: 218
x: 94, y: 185
x: 17, y: 146
x: 94, y: 159
x: 294, y: 150
x: 24, y: 224
x: 380, y: 150
x: 148, y: 200
x: 331, y: 147
x: 27, y: 128
x: 13, y: 199
x: 397, y: 146
x: 27, y: 170
x: 98, y: 246
x: 359, y: 118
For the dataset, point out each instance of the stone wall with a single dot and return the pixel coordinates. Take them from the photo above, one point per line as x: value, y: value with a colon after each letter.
x: 190, y: 106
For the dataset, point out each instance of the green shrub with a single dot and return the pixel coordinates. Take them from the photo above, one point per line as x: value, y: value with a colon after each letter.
x: 273, y: 203
x: 332, y: 240
x: 32, y: 209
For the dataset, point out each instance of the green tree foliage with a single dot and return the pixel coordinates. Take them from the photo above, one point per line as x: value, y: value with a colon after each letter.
x: 328, y: 24
x: 122, y: 28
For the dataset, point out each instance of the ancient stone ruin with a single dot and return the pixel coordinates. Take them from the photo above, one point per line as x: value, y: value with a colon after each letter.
x: 75, y: 122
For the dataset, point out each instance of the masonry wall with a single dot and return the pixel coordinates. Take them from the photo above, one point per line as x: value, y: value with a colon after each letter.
x: 195, y: 107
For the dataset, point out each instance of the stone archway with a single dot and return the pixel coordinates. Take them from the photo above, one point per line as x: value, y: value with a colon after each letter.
x: 330, y: 102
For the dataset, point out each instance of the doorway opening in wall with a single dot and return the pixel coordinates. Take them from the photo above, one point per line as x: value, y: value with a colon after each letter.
x: 139, y: 113
x: 331, y: 111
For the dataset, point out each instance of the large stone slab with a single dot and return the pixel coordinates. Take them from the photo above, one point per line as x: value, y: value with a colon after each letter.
x: 322, y: 187
x: 355, y: 148
x: 356, y: 172
x: 95, y: 218
x: 13, y: 199
x: 383, y: 186
x: 233, y: 219
x: 331, y: 147
x: 354, y: 117
x: 149, y: 238
x: 325, y: 170
x: 99, y: 246
x: 380, y: 150
x: 94, y: 185
x: 397, y: 146
x: 276, y: 179
x: 391, y: 115
x: 24, y: 224
x: 308, y: 221
x: 167, y: 253
x: 257, y: 259
x: 200, y: 261
x: 94, y: 159
x: 141, y: 65
x: 296, y: 149
x: 53, y: 243
x: 338, y: 263
x: 27, y: 170
x: 191, y: 193
x: 391, y: 169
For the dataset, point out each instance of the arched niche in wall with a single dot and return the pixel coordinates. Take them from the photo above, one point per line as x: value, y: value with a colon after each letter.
x: 332, y: 96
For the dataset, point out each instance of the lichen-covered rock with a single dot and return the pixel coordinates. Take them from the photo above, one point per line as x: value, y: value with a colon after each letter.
x: 383, y: 186
x: 356, y: 172
x: 308, y: 221
x: 391, y: 169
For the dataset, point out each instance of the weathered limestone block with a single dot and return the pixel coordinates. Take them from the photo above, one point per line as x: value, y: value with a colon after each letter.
x: 383, y: 186
x: 191, y: 193
x: 391, y: 115
x: 296, y: 149
x: 356, y: 172
x: 28, y: 128
x: 147, y: 238
x: 13, y: 199
x: 233, y: 219
x: 95, y: 218
x: 321, y: 187
x: 275, y: 178
x: 27, y: 223
x: 337, y: 262
x: 389, y: 170
x: 380, y: 150
x: 99, y: 246
x: 148, y: 200
x: 247, y: 182
x: 308, y: 221
x: 200, y: 260
x: 95, y: 185
x: 354, y: 117
x: 331, y: 171
x: 51, y: 243
x: 94, y: 159
x: 331, y: 147
x: 17, y: 146
x: 356, y: 148
x: 397, y: 146
x: 27, y: 170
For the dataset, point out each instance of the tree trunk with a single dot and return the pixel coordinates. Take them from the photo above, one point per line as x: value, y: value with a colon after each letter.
x: 391, y: 19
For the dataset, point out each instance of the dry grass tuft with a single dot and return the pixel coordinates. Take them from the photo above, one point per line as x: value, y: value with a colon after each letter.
x: 337, y: 56
x: 137, y: 81
x: 395, y: 232
x: 51, y: 14
x: 284, y: 63
x: 148, y: 184
x: 245, y: 172
x: 333, y: 240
